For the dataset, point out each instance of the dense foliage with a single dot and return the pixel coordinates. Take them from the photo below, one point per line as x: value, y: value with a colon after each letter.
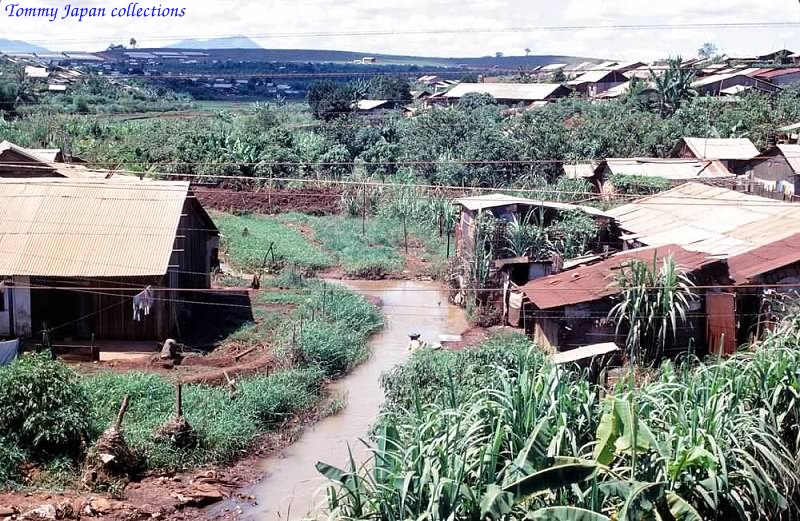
x: 639, y: 184
x: 22, y: 95
x: 713, y: 441
x: 50, y: 416
x: 43, y: 406
x: 473, y: 143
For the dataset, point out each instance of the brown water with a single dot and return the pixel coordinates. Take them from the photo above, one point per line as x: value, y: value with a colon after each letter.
x: 292, y: 488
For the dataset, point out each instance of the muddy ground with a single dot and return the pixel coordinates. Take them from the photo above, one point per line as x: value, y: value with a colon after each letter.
x: 308, y: 200
x: 161, y: 496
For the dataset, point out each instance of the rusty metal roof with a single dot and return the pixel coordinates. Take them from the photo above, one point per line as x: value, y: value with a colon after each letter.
x: 747, y: 266
x: 88, y: 228
x: 596, y: 281
x: 708, y: 219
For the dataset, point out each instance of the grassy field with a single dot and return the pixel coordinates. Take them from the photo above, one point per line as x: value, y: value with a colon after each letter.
x: 247, y: 240
x: 312, y: 243
x: 379, y: 252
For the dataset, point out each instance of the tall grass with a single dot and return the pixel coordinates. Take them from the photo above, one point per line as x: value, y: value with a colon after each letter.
x: 248, y: 238
x: 226, y: 427
x: 378, y: 252
x: 708, y: 441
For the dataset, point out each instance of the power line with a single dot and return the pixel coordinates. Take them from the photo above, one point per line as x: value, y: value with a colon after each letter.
x: 681, y: 200
x: 451, y: 30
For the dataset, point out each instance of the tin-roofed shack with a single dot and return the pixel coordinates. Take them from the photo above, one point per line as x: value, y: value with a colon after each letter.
x: 569, y: 309
x: 504, y: 241
x: 508, y: 208
x: 75, y: 252
x: 18, y: 162
x: 734, y: 154
x: 771, y: 270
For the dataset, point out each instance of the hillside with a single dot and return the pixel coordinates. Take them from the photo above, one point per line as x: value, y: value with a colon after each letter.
x: 232, y: 42
x: 331, y: 56
x: 19, y: 46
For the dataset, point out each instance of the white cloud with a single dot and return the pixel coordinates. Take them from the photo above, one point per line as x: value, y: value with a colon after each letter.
x: 257, y: 19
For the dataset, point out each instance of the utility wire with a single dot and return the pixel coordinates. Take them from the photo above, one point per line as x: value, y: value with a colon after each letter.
x: 441, y: 31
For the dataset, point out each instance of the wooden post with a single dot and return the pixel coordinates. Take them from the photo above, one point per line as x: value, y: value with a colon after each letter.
x: 269, y: 250
x: 269, y: 193
x: 93, y: 351
x: 178, y: 401
x: 364, y: 212
x: 448, y: 244
x: 405, y: 232
x: 121, y: 414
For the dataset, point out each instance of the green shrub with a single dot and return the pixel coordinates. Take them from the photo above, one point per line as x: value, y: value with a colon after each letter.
x: 226, y: 427
x: 428, y: 373
x: 639, y: 184
x: 11, y: 457
x: 43, y: 406
x: 340, y: 306
x: 248, y: 249
x: 332, y: 347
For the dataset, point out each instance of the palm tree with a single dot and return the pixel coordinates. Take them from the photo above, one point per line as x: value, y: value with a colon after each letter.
x: 674, y: 85
x: 133, y: 43
x: 653, y: 302
x: 527, y: 51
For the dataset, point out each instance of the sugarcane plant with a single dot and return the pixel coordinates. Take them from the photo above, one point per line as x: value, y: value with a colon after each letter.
x: 653, y: 301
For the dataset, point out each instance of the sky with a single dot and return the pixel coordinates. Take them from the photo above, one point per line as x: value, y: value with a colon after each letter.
x: 309, y: 24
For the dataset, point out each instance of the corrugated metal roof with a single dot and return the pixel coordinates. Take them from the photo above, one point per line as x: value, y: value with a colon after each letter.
x: 596, y: 281
x: 483, y: 202
x: 715, y: 148
x: 44, y: 154
x: 369, y: 104
x: 792, y: 155
x: 7, y: 145
x: 579, y: 170
x: 88, y: 228
x: 788, y: 128
x: 512, y: 91
x: 777, y: 73
x: 36, y: 72
x: 581, y: 353
x: 594, y: 77
x: 708, y: 219
x: 745, y: 267
x: 735, y: 89
x: 671, y: 168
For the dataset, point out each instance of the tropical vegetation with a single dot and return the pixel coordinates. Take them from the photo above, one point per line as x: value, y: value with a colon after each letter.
x: 696, y: 441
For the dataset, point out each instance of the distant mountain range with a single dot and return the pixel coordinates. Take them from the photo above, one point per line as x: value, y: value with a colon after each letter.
x: 19, y: 46
x: 231, y: 42
x: 245, y: 49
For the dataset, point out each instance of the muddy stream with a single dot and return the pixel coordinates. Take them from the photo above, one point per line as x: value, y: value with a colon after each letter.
x: 291, y: 487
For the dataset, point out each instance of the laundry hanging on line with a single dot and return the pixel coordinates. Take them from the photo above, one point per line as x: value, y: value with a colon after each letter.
x: 8, y: 352
x: 142, y: 303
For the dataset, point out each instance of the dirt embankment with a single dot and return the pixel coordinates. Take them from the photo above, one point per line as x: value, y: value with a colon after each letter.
x: 308, y: 200
x: 160, y: 496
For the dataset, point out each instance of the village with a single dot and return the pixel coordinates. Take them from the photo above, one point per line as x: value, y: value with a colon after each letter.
x: 367, y: 288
